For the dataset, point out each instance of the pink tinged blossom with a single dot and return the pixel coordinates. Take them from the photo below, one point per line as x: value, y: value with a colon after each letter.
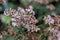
x: 36, y: 29
x: 18, y: 21
x: 46, y: 1
x: 30, y: 7
x: 21, y: 10
x: 50, y: 38
x: 50, y: 7
x: 30, y: 10
x: 13, y: 19
x: 14, y: 24
x: 27, y: 27
x: 20, y: 16
x: 1, y: 36
x: 58, y: 35
x: 51, y: 29
x: 48, y: 20
x: 6, y: 12
x: 14, y: 15
x: 39, y: 1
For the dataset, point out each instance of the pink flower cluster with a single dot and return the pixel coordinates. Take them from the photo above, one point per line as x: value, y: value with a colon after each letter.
x: 23, y: 17
x: 53, y: 21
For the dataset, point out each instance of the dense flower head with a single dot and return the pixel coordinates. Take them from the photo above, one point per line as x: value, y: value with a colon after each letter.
x: 54, y: 30
x: 23, y: 17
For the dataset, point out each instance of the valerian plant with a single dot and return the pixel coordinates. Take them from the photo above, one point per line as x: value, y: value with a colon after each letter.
x: 21, y: 19
x: 39, y: 22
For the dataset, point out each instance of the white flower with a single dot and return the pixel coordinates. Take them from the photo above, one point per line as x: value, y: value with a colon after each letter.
x: 1, y: 36
x: 18, y: 17
x: 58, y: 35
x: 51, y: 29
x: 21, y: 10
x: 48, y: 20
x: 37, y: 29
x: 14, y: 24
x: 30, y: 10
x: 30, y: 7
x: 6, y: 12
x: 13, y: 19
x: 51, y: 7
x: 27, y: 27
x: 15, y: 15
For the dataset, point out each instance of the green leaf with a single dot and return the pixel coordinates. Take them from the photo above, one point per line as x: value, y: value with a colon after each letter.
x: 25, y: 2
x: 40, y: 10
x: 5, y: 19
x: 16, y: 29
x: 8, y: 37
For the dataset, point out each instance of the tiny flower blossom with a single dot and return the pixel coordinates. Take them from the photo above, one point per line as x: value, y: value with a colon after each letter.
x: 39, y: 1
x: 30, y: 7
x: 14, y: 24
x: 51, y: 29
x: 28, y: 27
x: 50, y: 7
x: 30, y: 10
x: 21, y: 10
x: 58, y: 35
x: 6, y: 12
x: 48, y: 20
x: 1, y: 36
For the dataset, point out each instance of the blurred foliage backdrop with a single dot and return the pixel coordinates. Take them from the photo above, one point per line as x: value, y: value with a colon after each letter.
x: 41, y: 9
